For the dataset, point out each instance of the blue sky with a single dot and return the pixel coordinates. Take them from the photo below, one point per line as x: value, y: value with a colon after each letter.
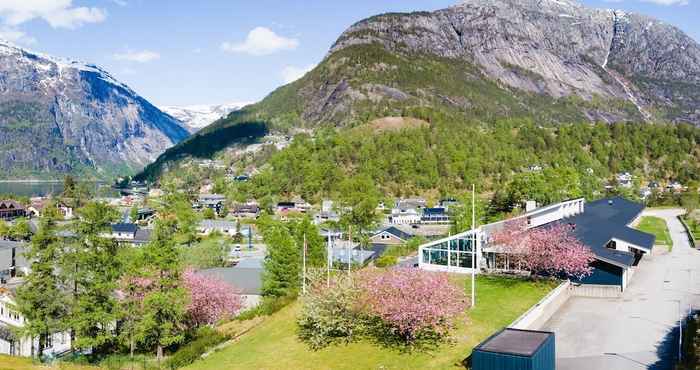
x: 182, y: 52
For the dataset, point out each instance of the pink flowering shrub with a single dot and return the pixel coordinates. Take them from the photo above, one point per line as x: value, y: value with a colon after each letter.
x: 411, y: 301
x: 550, y: 250
x: 210, y: 299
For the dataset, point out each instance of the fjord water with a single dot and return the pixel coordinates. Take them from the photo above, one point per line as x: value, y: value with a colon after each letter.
x: 37, y: 189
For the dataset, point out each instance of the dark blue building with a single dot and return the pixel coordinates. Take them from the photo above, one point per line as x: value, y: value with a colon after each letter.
x: 515, y: 349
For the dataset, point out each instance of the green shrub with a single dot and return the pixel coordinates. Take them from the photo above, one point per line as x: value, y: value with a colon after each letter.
x: 206, y: 338
x: 267, y: 307
x: 386, y: 261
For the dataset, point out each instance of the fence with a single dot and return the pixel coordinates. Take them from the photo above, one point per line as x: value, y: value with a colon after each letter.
x: 689, y: 231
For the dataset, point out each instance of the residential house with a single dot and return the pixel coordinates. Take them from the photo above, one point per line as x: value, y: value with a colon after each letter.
x: 601, y: 225
x: 38, y: 205
x: 211, y: 201
x: 11, y: 344
x: 296, y: 205
x: 9, y: 210
x: 327, y: 213
x: 129, y: 233
x: 625, y: 179
x: 436, y: 215
x: 246, y: 210
x: 404, y: 216
x: 390, y: 236
x: 223, y: 227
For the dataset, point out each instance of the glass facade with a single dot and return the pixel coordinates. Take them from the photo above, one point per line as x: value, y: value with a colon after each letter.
x: 452, y: 253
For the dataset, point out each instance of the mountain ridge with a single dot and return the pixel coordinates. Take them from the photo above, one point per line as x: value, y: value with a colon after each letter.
x: 60, y: 116
x: 552, y: 61
x: 198, y: 116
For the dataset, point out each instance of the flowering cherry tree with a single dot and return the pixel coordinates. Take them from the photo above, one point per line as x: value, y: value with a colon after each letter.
x: 210, y: 298
x: 551, y: 249
x: 412, y: 301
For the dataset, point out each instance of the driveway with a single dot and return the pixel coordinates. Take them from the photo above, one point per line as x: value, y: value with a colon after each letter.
x: 640, y: 329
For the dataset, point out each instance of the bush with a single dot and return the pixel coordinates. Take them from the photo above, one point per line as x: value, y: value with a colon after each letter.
x: 329, y: 315
x: 206, y: 338
x: 385, y: 261
x: 267, y: 307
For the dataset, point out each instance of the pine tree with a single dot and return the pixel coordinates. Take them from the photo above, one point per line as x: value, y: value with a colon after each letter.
x: 282, y: 274
x: 94, y: 268
x: 163, y: 305
x: 41, y: 299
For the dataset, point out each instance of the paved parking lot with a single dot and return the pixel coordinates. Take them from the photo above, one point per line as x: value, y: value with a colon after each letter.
x: 638, y: 330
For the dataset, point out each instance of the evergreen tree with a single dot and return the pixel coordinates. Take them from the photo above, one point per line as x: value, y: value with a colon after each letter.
x: 93, y: 266
x: 42, y: 299
x: 163, y: 305
x: 282, y: 274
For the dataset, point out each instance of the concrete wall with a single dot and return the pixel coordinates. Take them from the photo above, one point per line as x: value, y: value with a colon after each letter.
x: 596, y: 291
x: 541, y: 312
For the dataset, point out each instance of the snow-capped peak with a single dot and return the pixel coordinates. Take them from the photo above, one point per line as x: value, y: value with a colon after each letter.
x: 196, y: 117
x: 45, y: 61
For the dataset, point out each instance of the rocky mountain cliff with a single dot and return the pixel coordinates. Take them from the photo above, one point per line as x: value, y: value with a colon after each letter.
x: 59, y: 116
x: 196, y: 117
x: 551, y: 61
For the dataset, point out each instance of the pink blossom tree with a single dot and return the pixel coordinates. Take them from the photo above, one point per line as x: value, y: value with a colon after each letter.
x: 210, y: 299
x: 411, y: 301
x: 551, y: 249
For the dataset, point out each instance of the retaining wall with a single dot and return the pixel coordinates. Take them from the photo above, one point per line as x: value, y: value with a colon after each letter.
x: 541, y: 312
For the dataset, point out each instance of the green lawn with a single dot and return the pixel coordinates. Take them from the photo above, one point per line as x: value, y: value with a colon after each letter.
x: 274, y: 345
x: 25, y: 363
x: 658, y: 227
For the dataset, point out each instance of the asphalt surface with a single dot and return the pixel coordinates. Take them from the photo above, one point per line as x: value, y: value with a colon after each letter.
x: 640, y: 329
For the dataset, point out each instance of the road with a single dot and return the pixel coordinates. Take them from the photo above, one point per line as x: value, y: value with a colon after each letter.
x: 640, y: 329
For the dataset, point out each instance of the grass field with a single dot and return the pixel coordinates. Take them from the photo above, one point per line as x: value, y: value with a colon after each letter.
x: 658, y: 227
x: 24, y: 363
x: 274, y: 345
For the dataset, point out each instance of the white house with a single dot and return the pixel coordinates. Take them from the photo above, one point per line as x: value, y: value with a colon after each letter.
x: 405, y: 216
x: 207, y: 227
x: 11, y: 344
x: 625, y: 179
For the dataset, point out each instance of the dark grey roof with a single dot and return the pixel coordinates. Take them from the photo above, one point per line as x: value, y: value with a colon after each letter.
x: 246, y: 280
x: 6, y: 247
x: 605, y: 219
x: 397, y: 233
x: 142, y: 235
x: 434, y: 211
x: 515, y: 342
x: 124, y: 228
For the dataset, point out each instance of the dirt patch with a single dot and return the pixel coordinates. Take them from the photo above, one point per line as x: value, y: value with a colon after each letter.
x: 396, y: 124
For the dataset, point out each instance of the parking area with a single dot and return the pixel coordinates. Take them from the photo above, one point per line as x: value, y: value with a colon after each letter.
x: 638, y: 330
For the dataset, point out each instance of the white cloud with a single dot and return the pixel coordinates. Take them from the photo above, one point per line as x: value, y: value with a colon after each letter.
x: 120, y: 2
x: 57, y: 13
x: 143, y: 56
x: 292, y: 73
x: 261, y: 41
x: 667, y: 2
x: 16, y: 36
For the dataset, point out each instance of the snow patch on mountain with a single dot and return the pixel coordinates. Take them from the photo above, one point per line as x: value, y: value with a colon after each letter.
x: 196, y: 117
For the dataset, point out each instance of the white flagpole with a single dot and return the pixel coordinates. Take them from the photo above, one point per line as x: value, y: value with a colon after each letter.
x: 474, y: 245
x: 328, y: 261
x: 348, y: 249
x: 303, y: 286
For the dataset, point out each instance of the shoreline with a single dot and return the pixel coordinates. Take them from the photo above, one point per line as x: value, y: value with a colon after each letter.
x: 30, y: 181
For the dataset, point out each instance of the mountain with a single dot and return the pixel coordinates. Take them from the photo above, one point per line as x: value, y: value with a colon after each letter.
x: 60, y: 116
x: 550, y: 61
x: 195, y: 117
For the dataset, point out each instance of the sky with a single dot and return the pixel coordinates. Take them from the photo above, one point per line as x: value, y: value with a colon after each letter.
x: 184, y: 52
